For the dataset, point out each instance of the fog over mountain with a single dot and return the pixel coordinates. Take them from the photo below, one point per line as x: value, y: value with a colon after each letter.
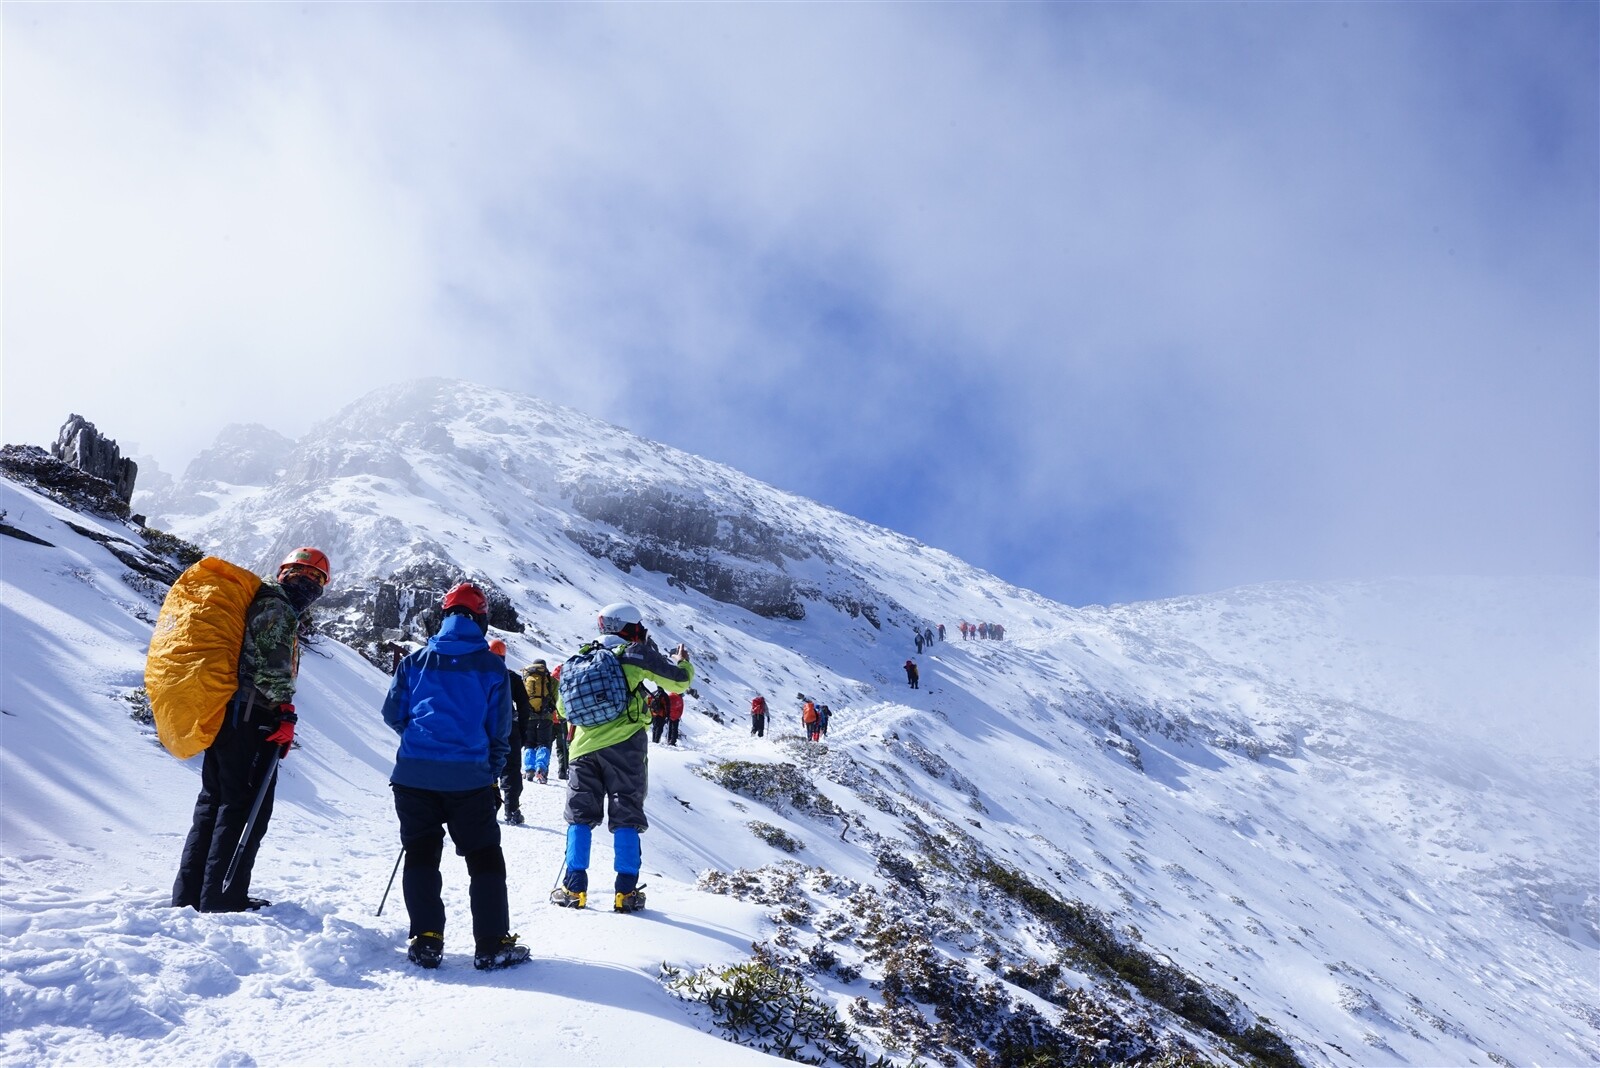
x: 1338, y: 824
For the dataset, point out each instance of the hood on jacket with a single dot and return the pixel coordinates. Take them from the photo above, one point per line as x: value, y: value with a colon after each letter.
x: 458, y: 635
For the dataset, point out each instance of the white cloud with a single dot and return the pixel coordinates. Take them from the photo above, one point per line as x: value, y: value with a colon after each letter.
x: 1290, y: 285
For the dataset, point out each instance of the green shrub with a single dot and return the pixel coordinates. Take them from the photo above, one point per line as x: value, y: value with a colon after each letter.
x: 138, y: 702
x: 780, y: 786
x: 765, y: 1006
x: 775, y: 837
x: 1094, y: 942
x: 174, y: 548
x: 1266, y: 1046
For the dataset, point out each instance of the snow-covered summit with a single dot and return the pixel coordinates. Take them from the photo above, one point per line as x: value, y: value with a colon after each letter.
x: 1198, y: 828
x: 445, y: 470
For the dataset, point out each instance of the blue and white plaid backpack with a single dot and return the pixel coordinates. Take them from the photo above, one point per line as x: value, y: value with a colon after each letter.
x: 593, y: 688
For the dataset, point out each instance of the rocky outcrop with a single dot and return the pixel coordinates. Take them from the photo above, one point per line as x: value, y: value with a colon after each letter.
x: 765, y: 591
x: 80, y: 445
x: 161, y: 557
x: 403, y: 610
x: 682, y: 519
x: 61, y: 481
x: 732, y: 558
x: 244, y: 454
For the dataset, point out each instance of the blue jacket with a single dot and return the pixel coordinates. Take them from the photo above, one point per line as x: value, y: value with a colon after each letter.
x: 451, y: 705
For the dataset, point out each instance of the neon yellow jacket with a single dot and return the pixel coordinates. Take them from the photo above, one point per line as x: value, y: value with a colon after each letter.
x: 640, y: 662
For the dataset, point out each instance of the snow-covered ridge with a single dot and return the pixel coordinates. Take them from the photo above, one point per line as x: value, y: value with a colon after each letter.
x: 405, y: 472
x: 1232, y: 782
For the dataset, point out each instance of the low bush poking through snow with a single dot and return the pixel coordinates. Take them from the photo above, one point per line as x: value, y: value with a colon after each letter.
x: 764, y: 1005
x: 776, y: 837
x: 779, y: 786
x: 138, y: 702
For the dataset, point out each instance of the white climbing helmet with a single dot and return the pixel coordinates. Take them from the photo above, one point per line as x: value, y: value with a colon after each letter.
x: 622, y: 618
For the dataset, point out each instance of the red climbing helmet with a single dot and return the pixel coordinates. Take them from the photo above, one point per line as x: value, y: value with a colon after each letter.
x: 307, y: 560
x: 466, y: 595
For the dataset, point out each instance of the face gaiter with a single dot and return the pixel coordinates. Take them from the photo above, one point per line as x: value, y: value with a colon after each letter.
x: 301, y: 592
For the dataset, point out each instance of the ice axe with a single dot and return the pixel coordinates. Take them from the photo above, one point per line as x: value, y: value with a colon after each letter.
x: 249, y: 824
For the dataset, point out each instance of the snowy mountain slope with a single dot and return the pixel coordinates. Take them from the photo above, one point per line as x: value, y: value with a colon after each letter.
x: 1511, y: 662
x: 1286, y: 828
x: 95, y: 968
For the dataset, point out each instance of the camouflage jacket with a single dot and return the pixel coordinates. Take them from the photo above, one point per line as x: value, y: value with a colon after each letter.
x: 269, y: 658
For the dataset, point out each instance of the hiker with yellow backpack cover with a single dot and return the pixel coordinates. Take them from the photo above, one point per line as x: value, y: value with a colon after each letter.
x: 221, y: 678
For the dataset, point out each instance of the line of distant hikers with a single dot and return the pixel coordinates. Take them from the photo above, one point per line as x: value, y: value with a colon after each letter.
x: 926, y: 636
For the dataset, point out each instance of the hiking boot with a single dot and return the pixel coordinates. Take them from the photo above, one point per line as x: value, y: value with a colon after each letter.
x: 563, y: 774
x: 569, y: 899
x: 249, y: 904
x: 541, y: 778
x: 632, y: 901
x: 426, y: 950
x: 514, y: 817
x: 528, y: 775
x: 499, y: 953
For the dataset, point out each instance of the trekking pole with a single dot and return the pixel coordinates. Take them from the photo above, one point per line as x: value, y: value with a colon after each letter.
x: 391, y: 881
x: 560, y: 880
x: 249, y: 824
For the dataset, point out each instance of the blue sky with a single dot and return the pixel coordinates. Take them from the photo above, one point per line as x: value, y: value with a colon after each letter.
x: 1116, y: 301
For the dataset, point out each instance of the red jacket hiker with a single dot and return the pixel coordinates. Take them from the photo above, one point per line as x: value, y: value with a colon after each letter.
x: 674, y: 714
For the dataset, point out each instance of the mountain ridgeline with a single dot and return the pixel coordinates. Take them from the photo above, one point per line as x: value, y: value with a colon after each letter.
x: 514, y: 468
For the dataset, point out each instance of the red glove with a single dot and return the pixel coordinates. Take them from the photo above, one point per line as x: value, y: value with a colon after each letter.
x: 284, y: 733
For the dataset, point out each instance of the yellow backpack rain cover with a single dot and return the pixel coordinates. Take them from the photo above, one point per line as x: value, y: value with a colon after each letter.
x: 193, y: 666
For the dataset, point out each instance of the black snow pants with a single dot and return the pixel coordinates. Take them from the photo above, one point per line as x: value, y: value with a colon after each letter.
x: 230, y: 775
x: 470, y: 818
x: 511, y: 778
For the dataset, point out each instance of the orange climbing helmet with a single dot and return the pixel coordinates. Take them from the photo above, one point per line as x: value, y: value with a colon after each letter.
x: 307, y: 559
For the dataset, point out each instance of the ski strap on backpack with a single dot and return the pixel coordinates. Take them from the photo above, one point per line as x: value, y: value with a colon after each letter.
x: 593, y: 688
x: 193, y: 664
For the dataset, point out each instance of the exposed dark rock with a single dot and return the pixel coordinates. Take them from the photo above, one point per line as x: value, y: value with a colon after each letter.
x: 683, y: 519
x: 764, y: 591
x: 21, y: 535
x: 852, y: 606
x: 404, y: 607
x: 80, y: 445
x: 137, y: 558
x: 732, y: 558
x: 604, y: 547
x: 62, y: 482
x: 160, y: 559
